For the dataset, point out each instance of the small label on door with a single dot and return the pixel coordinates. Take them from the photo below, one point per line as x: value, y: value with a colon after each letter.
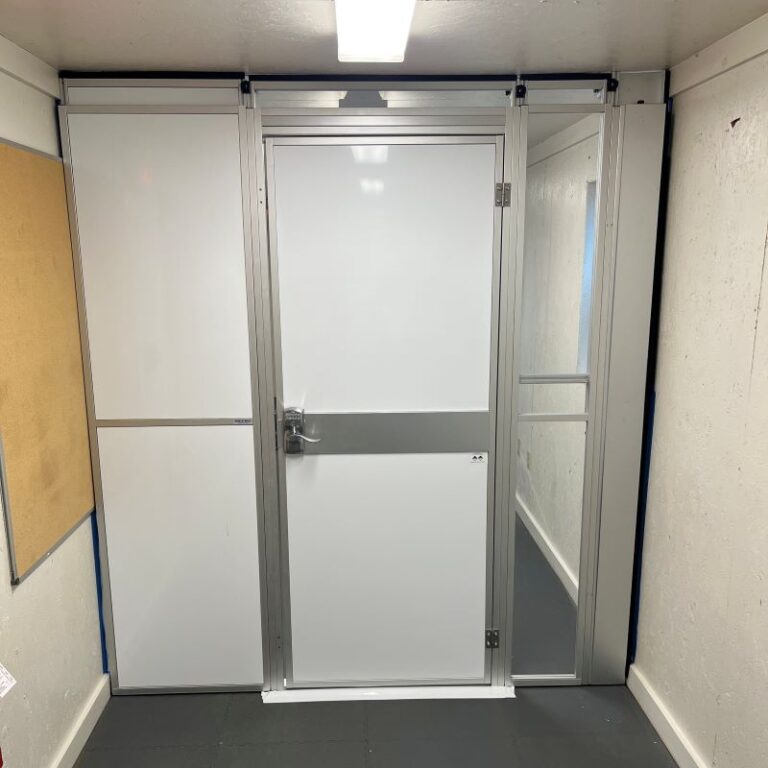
x: 478, y: 458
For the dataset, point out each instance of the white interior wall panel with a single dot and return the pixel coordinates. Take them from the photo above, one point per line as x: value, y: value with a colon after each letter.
x: 159, y: 207
x: 159, y: 211
x: 182, y: 536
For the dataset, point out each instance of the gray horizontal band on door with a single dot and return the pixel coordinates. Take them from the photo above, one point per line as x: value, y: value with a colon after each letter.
x: 173, y: 422
x: 435, y: 432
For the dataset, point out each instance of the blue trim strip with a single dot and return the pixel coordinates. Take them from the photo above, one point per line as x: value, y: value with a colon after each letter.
x: 99, y: 593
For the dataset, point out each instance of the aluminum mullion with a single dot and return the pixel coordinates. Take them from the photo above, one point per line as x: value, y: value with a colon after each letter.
x: 279, y: 408
x: 390, y: 131
x: 212, y: 422
x: 554, y: 378
x: 272, y: 588
x: 602, y: 290
x: 434, y: 84
x: 517, y: 247
x: 366, y: 121
x: 90, y: 408
x: 249, y: 236
x: 376, y: 114
x: 578, y: 109
x: 501, y: 553
x: 491, y: 655
x: 528, y: 417
x: 394, y: 140
x: 273, y: 527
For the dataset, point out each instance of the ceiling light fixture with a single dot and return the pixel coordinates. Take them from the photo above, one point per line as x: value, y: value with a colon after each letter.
x: 373, y: 30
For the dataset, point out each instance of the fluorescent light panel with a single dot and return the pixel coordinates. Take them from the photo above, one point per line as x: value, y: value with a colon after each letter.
x: 373, y: 30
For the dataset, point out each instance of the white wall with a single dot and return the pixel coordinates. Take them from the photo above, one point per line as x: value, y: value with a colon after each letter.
x: 702, y: 661
x: 551, y: 455
x: 49, y: 633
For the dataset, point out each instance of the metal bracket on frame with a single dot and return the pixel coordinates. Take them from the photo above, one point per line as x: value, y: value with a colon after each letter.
x: 503, y: 195
x: 491, y: 638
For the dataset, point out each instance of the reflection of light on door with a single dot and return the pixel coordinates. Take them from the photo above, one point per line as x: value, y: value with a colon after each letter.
x: 370, y: 153
x: 372, y: 186
x: 586, y: 278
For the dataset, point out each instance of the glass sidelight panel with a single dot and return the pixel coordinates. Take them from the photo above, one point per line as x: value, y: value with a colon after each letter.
x: 561, y: 206
x: 551, y: 398
x: 548, y: 506
x: 560, y: 211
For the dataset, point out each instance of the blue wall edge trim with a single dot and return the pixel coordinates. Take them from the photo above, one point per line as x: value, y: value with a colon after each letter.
x: 99, y: 592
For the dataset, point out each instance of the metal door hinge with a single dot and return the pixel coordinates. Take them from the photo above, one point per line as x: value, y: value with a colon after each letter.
x: 491, y: 638
x: 503, y: 195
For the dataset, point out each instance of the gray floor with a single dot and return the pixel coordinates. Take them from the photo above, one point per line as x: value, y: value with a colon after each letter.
x: 544, y: 618
x: 542, y: 728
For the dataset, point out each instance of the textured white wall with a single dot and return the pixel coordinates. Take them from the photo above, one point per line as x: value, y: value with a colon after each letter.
x: 551, y: 455
x: 49, y: 633
x: 703, y: 634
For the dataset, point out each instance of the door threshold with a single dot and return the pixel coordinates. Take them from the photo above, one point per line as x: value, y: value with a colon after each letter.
x: 390, y: 693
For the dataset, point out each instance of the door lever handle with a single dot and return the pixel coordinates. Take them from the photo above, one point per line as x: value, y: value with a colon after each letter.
x: 293, y: 436
x: 299, y: 436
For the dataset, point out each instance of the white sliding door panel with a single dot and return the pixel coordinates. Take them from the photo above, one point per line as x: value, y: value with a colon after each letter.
x: 388, y: 567
x: 385, y: 273
x: 159, y: 211
x: 182, y: 539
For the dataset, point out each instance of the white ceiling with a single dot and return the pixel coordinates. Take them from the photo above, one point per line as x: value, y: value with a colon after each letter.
x: 298, y: 36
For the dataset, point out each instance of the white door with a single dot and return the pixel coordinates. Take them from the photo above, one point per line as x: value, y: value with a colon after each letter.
x: 385, y: 256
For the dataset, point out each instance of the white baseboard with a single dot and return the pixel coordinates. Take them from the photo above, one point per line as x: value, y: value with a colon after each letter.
x: 81, y: 729
x: 548, y: 549
x: 670, y: 731
x: 386, y: 693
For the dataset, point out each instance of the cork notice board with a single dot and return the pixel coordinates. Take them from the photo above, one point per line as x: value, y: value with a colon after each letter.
x: 47, y: 481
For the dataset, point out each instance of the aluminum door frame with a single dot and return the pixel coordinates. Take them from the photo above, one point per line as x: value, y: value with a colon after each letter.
x: 278, y: 585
